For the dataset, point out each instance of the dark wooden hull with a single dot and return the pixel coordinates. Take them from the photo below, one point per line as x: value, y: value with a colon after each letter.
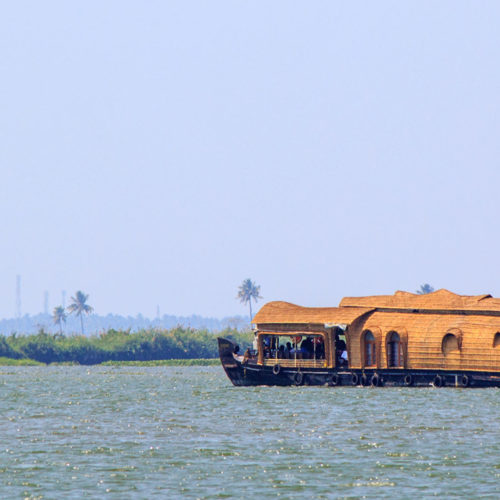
x: 251, y: 374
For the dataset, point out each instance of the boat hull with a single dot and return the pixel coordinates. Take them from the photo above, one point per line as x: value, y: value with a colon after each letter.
x: 249, y: 373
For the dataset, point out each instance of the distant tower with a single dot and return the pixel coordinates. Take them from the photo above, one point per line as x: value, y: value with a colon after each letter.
x: 64, y: 299
x: 46, y: 302
x: 18, y: 295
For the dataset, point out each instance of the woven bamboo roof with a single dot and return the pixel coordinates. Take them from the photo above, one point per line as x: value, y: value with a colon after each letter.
x: 440, y: 300
x: 351, y: 308
x: 284, y: 312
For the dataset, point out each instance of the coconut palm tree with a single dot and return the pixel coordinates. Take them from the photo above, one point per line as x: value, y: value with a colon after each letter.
x: 425, y: 289
x: 59, y: 316
x: 79, y: 306
x: 248, y: 290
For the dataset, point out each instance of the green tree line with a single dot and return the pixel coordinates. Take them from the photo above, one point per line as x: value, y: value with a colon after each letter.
x: 118, y: 345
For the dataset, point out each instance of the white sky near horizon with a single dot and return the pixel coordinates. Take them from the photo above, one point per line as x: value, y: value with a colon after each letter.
x: 159, y: 153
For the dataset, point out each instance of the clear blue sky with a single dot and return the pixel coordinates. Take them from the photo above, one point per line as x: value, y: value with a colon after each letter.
x: 161, y: 152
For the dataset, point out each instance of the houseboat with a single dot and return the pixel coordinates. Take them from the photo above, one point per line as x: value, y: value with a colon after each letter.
x: 440, y: 339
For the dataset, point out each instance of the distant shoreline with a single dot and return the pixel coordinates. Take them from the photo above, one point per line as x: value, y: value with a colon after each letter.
x: 159, y: 362
x: 96, y: 324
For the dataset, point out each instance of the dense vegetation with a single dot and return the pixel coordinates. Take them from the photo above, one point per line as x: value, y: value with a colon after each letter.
x: 118, y: 345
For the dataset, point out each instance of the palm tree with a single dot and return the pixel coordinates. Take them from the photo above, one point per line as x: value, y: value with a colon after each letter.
x: 248, y: 290
x: 59, y: 316
x: 79, y: 306
x: 425, y: 289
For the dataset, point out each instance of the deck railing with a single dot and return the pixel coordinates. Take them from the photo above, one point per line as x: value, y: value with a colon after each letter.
x: 293, y: 363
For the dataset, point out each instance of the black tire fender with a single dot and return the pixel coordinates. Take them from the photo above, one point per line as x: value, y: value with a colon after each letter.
x: 464, y: 380
x: 298, y: 379
x: 375, y: 381
x: 438, y: 381
x: 408, y: 380
x: 276, y: 369
x: 333, y: 380
x: 354, y: 379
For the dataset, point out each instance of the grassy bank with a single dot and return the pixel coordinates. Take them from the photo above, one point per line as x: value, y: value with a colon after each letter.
x: 166, y: 362
x: 19, y: 362
x: 178, y: 346
x: 160, y: 362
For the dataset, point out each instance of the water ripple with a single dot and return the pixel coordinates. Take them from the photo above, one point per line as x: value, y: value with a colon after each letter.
x: 166, y: 432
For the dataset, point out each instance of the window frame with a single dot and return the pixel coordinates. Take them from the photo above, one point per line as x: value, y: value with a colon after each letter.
x: 398, y: 351
x: 450, y: 352
x: 496, y: 340
x: 369, y: 349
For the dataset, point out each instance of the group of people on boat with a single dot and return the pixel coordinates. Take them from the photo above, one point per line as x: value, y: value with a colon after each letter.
x: 308, y: 348
x: 296, y: 347
x: 341, y: 353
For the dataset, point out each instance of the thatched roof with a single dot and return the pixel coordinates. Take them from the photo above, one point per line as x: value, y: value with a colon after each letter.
x: 440, y: 300
x: 284, y: 312
x: 351, y: 308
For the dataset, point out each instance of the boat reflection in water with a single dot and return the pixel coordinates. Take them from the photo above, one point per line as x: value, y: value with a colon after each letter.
x: 403, y: 339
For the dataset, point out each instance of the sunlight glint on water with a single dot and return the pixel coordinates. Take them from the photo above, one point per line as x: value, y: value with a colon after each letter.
x: 73, y: 432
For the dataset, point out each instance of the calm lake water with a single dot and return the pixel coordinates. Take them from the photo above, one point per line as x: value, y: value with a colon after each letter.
x: 168, y: 432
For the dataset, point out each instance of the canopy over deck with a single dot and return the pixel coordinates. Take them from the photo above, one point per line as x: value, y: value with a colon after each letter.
x: 284, y: 312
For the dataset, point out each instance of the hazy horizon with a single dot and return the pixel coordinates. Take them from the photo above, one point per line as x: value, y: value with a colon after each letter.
x: 158, y: 154
x: 96, y: 323
x: 66, y: 299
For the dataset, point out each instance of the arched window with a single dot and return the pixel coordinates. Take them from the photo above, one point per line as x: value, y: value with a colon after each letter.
x: 450, y: 344
x: 496, y: 340
x: 370, y: 349
x: 394, y: 350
